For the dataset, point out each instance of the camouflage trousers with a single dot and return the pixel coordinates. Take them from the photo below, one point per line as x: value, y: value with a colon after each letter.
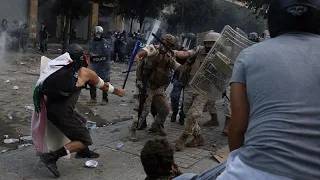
x: 211, y: 107
x: 227, y: 107
x: 194, y: 104
x: 156, y: 97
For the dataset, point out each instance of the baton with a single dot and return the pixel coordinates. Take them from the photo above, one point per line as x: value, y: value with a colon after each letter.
x: 161, y: 42
x: 128, y: 71
x: 134, y: 53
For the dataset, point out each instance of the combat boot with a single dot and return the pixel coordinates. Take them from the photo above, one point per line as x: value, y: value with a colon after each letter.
x: 92, y: 102
x: 226, y: 126
x: 132, y: 132
x: 144, y: 125
x: 213, y: 121
x: 181, y: 142
x: 159, y: 128
x: 174, y: 117
x: 181, y: 119
x: 196, y: 141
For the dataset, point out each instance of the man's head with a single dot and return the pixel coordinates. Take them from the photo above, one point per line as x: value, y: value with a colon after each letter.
x: 170, y: 41
x: 294, y: 15
x: 78, y: 56
x: 97, y: 32
x: 209, y: 40
x: 157, y: 159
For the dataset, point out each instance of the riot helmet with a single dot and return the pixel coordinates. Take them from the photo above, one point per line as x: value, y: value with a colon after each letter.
x: 97, y: 32
x: 253, y: 37
x: 293, y: 15
x: 78, y: 56
x: 209, y: 39
x: 169, y: 40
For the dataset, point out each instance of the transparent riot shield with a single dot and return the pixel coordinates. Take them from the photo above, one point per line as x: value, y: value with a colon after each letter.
x: 214, y: 73
x: 242, y: 32
x: 152, y: 26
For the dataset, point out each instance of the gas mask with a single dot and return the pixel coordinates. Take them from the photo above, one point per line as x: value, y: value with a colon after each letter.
x: 97, y: 37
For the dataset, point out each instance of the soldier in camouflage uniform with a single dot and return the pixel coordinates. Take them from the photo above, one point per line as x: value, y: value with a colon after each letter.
x: 194, y: 102
x: 154, y: 75
x: 99, y: 51
x: 211, y: 107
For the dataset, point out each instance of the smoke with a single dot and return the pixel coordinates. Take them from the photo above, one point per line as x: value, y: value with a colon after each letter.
x: 3, y: 37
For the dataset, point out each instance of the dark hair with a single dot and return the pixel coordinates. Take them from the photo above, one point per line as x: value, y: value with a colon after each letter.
x: 157, y: 158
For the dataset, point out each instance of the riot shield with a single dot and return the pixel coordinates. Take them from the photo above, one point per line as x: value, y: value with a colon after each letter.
x: 152, y: 26
x: 242, y: 32
x: 214, y: 73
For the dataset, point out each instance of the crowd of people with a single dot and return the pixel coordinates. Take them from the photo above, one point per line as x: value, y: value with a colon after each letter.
x: 271, y: 111
x: 16, y: 35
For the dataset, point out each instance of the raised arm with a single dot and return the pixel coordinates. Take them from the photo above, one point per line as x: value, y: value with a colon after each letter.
x: 86, y: 75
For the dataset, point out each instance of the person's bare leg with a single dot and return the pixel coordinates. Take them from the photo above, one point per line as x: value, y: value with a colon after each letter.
x: 75, y: 146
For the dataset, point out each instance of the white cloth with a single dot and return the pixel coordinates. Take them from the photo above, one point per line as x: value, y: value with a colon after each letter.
x: 237, y: 170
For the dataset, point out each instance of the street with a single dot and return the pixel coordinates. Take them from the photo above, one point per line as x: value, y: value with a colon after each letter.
x: 113, y: 121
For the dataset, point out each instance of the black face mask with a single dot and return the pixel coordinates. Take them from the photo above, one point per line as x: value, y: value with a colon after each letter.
x: 207, y: 49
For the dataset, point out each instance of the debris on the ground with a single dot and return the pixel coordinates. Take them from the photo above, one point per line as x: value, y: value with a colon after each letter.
x: 15, y: 88
x: 26, y: 138
x: 5, y: 136
x: 10, y: 115
x: 91, y: 125
x: 10, y: 141
x: 119, y: 145
x: 29, y: 108
x: 7, y: 81
x: 221, y: 155
x: 24, y: 145
x: 3, y: 151
x: 91, y: 164
x: 124, y: 105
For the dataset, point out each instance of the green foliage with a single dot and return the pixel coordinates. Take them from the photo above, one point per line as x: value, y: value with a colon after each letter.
x: 204, y: 15
x: 190, y: 13
x: 138, y: 9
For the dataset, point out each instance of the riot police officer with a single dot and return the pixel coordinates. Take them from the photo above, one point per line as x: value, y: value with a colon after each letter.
x: 99, y: 51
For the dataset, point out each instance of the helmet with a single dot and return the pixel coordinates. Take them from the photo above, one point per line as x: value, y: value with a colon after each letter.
x: 191, y: 36
x: 294, y: 15
x: 169, y: 40
x: 253, y: 37
x: 77, y: 55
x: 211, y: 36
x: 98, y: 31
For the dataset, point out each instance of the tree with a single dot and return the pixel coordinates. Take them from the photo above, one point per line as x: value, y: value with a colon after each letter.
x: 192, y: 14
x: 70, y: 10
x: 259, y: 6
x: 138, y: 9
x: 203, y: 15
